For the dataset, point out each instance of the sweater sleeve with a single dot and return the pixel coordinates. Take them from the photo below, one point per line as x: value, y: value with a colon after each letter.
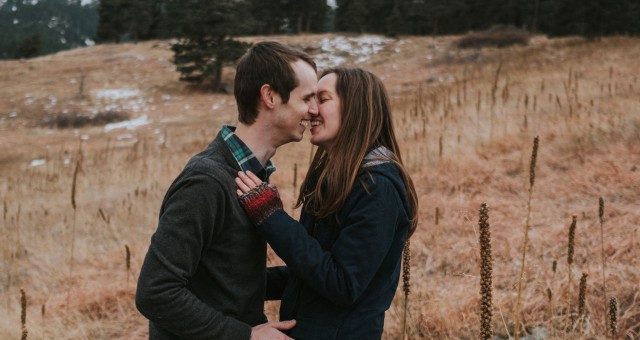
x: 184, y: 231
x: 343, y: 273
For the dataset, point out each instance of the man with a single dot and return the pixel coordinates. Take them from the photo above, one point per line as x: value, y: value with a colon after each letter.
x: 204, y: 274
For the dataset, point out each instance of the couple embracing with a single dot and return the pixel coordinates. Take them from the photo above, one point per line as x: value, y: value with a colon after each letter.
x: 204, y: 274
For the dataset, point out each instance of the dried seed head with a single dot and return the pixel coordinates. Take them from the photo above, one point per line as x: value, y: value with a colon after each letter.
x: 532, y: 166
x: 23, y: 314
x: 23, y: 307
x: 486, y: 270
x: 582, y: 294
x: 601, y: 208
x: 127, y: 257
x: 613, y: 316
x: 406, y: 268
x: 554, y: 266
x: 549, y: 294
x: 572, y: 235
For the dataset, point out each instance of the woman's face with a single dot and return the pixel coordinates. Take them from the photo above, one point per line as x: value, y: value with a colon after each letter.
x: 325, y: 125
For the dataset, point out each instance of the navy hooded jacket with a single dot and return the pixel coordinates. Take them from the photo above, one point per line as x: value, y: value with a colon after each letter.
x: 341, y: 277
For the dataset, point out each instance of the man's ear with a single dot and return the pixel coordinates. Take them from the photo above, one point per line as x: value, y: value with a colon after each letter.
x: 267, y: 95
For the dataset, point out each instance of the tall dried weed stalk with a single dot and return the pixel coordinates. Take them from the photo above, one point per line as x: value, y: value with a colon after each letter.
x: 582, y: 299
x: 127, y: 259
x: 601, y: 218
x: 532, y: 178
x: 570, y: 250
x: 613, y: 317
x: 74, y: 186
x: 406, y: 284
x: 23, y: 314
x: 486, y: 270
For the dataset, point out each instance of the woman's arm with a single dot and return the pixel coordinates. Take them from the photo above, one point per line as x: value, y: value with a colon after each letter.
x: 342, y: 273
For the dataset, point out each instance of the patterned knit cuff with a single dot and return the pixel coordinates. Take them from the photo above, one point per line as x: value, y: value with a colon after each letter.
x: 260, y: 202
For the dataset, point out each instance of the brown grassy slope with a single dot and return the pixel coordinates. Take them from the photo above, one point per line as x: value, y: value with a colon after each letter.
x: 466, y: 130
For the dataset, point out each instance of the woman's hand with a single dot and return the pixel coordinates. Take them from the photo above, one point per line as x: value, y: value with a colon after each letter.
x: 246, y: 181
x: 258, y: 199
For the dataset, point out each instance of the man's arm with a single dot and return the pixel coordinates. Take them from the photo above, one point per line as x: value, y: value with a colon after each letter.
x: 186, y: 227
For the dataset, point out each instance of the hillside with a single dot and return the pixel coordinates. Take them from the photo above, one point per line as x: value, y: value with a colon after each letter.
x: 466, y: 119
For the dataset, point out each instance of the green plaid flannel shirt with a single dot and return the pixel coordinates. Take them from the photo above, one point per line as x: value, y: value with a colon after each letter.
x: 246, y: 159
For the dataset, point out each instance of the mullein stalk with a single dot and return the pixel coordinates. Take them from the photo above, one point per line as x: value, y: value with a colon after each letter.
x: 406, y: 284
x: 23, y: 314
x: 613, y: 317
x: 582, y: 298
x: 532, y: 177
x: 486, y: 270
x: 572, y: 235
x: 601, y: 218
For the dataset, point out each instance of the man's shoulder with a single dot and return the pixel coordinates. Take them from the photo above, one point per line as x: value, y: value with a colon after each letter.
x: 215, y: 160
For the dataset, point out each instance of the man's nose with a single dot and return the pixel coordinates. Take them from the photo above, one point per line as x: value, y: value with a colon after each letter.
x: 313, y: 107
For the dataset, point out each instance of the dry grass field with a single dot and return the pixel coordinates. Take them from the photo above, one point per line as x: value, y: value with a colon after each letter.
x: 80, y: 204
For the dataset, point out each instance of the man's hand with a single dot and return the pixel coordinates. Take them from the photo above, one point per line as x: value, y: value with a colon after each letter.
x: 272, y: 330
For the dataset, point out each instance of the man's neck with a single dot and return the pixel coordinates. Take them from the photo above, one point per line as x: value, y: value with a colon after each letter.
x: 258, y: 140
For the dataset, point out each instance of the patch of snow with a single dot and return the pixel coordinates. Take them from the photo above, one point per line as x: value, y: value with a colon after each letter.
x: 128, y: 137
x: 334, y: 52
x: 128, y: 124
x: 37, y: 162
x: 116, y: 94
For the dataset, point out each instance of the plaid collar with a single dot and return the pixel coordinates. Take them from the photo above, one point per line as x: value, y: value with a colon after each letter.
x: 243, y: 155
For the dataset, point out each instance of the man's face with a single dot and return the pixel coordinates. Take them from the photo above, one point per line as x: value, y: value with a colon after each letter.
x: 291, y: 119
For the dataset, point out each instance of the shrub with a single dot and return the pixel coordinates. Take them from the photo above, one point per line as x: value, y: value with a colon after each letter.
x: 496, y: 36
x: 76, y: 119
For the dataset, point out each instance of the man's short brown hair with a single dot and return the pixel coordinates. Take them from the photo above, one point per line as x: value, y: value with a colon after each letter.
x: 267, y: 62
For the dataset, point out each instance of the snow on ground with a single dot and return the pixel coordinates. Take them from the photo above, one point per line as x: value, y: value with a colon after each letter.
x: 131, y: 124
x: 117, y: 94
x: 37, y: 162
x: 337, y: 51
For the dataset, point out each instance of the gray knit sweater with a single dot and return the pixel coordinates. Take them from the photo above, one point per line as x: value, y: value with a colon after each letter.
x: 204, y: 274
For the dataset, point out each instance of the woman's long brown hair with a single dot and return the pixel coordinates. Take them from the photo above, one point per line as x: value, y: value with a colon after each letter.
x: 366, y: 124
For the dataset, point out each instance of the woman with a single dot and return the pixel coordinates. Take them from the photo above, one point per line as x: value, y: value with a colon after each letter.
x: 344, y: 256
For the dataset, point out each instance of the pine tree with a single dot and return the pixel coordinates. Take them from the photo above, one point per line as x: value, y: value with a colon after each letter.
x: 29, y: 47
x: 352, y: 16
x: 206, y: 41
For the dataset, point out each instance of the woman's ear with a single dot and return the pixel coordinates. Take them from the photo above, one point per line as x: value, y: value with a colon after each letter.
x: 267, y: 96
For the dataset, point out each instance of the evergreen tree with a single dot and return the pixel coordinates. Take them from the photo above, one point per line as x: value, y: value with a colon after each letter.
x: 59, y: 24
x: 395, y: 23
x: 352, y: 16
x: 29, y: 47
x: 206, y: 41
x: 125, y: 20
x: 273, y: 16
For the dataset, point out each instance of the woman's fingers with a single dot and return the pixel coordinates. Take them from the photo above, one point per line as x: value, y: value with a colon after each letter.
x: 249, y: 178
x: 247, y: 181
x: 254, y: 178
x: 243, y: 188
